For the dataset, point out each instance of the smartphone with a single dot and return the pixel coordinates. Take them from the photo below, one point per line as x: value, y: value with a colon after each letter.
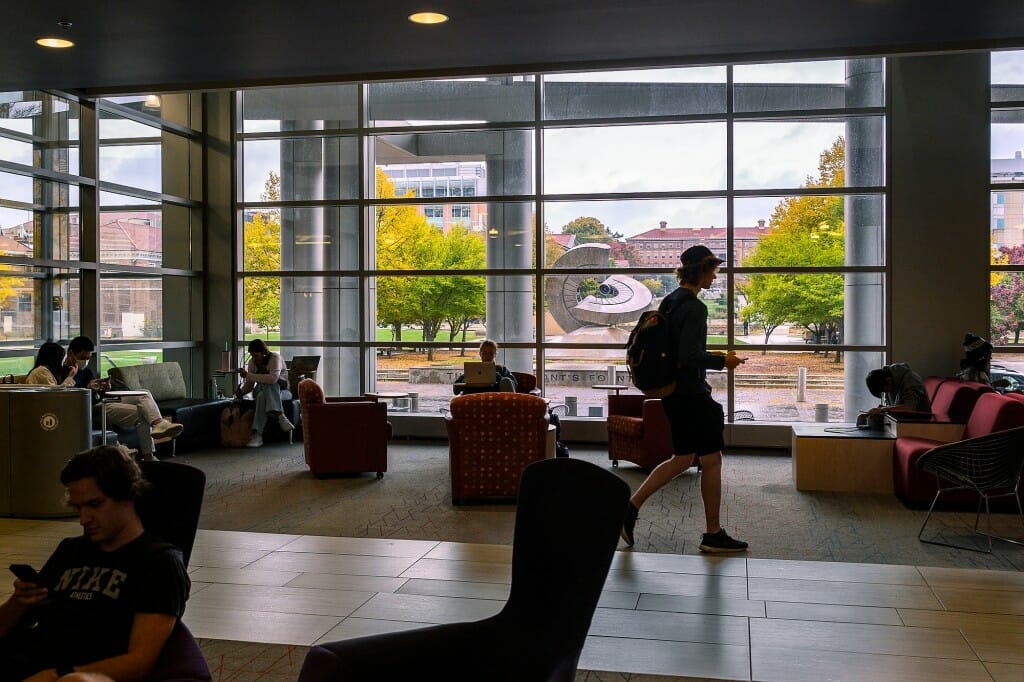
x: 26, y: 573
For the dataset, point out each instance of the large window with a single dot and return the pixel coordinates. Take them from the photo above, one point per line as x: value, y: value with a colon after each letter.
x: 1007, y: 215
x: 586, y: 187
x: 95, y: 243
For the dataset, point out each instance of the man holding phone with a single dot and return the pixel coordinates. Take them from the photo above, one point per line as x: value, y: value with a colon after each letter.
x: 106, y: 601
x: 131, y: 412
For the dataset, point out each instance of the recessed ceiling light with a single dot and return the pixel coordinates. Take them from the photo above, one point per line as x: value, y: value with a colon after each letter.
x: 54, y: 42
x: 428, y: 18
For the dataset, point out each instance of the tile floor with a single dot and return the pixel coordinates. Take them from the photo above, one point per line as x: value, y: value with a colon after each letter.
x: 260, y: 599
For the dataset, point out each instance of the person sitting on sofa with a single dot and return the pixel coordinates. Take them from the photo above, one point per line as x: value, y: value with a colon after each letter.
x: 977, y: 362
x: 265, y: 376
x: 138, y: 412
x: 503, y: 379
x: 900, y: 389
x: 48, y: 370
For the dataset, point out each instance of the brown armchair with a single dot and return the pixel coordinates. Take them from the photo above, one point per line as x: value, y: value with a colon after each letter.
x: 638, y: 431
x: 526, y: 383
x: 343, y: 435
x: 492, y: 437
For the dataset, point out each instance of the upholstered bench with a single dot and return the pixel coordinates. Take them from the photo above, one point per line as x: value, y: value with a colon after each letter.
x: 200, y: 417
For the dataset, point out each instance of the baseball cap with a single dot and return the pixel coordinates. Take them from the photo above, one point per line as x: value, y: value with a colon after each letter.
x: 696, y: 255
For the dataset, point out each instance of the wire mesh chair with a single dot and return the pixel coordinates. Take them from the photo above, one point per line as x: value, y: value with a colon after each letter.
x: 989, y: 465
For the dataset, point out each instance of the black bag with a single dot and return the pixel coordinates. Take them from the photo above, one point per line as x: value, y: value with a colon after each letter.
x: 651, y: 355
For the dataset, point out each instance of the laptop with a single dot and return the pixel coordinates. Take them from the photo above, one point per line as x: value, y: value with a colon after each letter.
x: 301, y: 367
x: 479, y: 373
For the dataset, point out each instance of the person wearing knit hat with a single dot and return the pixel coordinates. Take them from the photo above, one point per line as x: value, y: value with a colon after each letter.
x: 975, y: 365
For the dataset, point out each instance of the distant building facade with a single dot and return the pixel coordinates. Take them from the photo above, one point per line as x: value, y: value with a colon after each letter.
x: 1007, y: 215
x: 661, y: 246
x: 436, y: 180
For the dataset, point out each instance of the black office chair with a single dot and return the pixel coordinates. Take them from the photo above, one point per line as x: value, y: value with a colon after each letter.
x: 988, y: 465
x: 567, y: 527
x: 170, y: 510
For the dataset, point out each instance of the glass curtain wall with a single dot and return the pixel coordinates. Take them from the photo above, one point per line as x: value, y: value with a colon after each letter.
x: 97, y: 225
x: 389, y: 227
x: 1007, y: 217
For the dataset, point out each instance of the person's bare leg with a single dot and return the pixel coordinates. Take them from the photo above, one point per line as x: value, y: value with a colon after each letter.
x: 661, y: 475
x: 711, y: 489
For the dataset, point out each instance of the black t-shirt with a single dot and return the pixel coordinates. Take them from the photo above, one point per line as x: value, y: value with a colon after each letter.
x: 94, y: 596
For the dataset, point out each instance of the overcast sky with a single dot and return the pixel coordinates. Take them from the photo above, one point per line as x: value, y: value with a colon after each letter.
x: 663, y: 157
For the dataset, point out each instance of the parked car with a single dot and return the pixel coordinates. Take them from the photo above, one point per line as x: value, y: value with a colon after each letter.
x: 1014, y: 379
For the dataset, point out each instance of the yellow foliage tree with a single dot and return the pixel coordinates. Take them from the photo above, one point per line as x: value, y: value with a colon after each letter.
x: 262, y: 252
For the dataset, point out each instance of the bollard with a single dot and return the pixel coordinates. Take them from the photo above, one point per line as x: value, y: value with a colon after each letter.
x: 611, y: 374
x: 414, y: 401
x: 570, y: 405
x: 821, y: 412
x: 801, y: 384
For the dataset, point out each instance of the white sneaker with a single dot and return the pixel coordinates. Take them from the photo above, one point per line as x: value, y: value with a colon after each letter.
x: 284, y: 424
x: 166, y: 429
x: 255, y: 442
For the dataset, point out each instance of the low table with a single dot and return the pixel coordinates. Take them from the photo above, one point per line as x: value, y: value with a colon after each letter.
x: 842, y: 458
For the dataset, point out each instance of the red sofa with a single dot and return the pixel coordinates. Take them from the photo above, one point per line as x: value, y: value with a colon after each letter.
x: 992, y: 412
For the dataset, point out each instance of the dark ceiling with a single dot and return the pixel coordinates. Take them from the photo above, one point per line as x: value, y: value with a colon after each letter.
x: 166, y: 45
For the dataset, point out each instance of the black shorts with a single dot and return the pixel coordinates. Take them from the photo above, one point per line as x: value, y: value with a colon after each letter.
x: 697, y: 424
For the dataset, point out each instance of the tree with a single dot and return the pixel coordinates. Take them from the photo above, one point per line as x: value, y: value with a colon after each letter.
x: 406, y: 241
x: 806, y: 231
x: 262, y: 240
x: 589, y: 230
x: 1008, y: 297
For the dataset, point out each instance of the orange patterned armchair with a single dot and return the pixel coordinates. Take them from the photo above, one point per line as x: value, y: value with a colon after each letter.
x: 492, y: 437
x: 638, y: 430
x: 343, y: 435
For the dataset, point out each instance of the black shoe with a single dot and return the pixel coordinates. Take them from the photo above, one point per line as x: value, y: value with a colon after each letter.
x: 628, y: 523
x: 721, y: 543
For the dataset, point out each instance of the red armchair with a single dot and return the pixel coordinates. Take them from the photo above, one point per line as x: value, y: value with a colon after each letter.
x: 492, y: 437
x: 343, y: 435
x: 638, y: 431
x: 526, y: 383
x: 992, y: 412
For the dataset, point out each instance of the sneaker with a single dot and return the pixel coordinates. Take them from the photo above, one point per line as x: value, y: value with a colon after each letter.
x: 166, y: 429
x: 284, y: 424
x: 628, y: 523
x: 255, y: 442
x: 721, y: 543
x: 146, y: 457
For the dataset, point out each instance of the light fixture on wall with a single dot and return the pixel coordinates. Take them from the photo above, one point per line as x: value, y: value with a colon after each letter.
x: 428, y: 18
x: 57, y: 41
x: 151, y: 102
x: 492, y: 233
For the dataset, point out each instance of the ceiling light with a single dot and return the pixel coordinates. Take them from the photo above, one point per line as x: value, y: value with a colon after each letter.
x: 51, y: 41
x: 54, y: 41
x: 428, y: 18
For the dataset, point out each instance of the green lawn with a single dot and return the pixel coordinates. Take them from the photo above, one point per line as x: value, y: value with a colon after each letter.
x: 122, y: 358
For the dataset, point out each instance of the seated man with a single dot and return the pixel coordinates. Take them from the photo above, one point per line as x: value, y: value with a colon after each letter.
x: 138, y: 412
x: 503, y: 379
x: 106, y: 601
x: 900, y: 389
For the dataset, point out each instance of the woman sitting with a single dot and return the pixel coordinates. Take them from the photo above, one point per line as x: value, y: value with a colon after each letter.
x: 265, y: 377
x: 49, y: 369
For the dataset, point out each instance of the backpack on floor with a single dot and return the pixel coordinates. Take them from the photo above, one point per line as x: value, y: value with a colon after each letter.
x: 651, y: 355
x: 235, y: 426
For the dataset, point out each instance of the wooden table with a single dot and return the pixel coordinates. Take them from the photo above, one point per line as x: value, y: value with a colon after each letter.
x: 842, y: 458
x: 393, y: 396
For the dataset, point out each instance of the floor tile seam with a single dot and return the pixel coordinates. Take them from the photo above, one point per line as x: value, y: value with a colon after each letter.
x: 443, y: 596
x: 824, y: 581
x: 695, y: 613
x: 818, y: 647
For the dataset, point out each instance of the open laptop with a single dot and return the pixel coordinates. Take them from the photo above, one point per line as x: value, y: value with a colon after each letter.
x: 479, y: 373
x: 301, y: 367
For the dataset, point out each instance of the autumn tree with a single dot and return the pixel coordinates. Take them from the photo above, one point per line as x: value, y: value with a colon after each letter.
x: 805, y: 231
x: 589, y: 230
x: 262, y: 240
x: 407, y: 241
x: 1008, y: 297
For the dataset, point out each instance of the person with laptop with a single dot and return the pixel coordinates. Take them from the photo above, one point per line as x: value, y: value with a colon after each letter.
x: 265, y: 376
x: 485, y: 376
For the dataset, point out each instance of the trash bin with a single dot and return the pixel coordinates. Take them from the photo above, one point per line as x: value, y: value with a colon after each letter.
x: 570, y: 405
x: 43, y: 428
